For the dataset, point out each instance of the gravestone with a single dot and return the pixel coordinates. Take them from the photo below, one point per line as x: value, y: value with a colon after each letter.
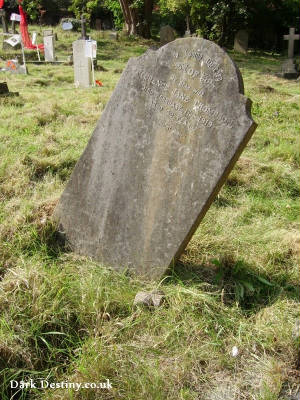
x: 166, y: 34
x: 48, y: 32
x: 170, y: 134
x: 82, y: 65
x: 113, y: 35
x: 49, y: 50
x: 14, y: 67
x: 288, y: 67
x: 98, y: 24
x: 4, y: 92
x: 241, y: 41
x: 13, y: 42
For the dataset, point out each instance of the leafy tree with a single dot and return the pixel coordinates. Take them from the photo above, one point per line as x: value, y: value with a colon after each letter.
x: 84, y: 7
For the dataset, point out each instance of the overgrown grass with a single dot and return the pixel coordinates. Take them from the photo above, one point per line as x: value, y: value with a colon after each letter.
x: 65, y: 318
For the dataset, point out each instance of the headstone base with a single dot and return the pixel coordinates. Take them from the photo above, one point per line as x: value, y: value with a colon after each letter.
x: 4, y: 92
x: 289, y: 70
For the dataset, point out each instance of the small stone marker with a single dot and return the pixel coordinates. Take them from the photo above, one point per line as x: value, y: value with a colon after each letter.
x: 48, y: 32
x: 14, y: 67
x: 67, y: 26
x: 49, y: 50
x: 149, y: 299
x: 166, y: 34
x: 4, y: 92
x: 170, y: 134
x: 241, y: 41
x: 82, y: 65
x: 13, y: 42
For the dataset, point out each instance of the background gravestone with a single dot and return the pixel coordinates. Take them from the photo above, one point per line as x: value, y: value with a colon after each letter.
x: 48, y: 32
x: 289, y: 70
x: 241, y: 41
x: 49, y: 50
x: 166, y: 34
x: 82, y: 65
x: 169, y: 136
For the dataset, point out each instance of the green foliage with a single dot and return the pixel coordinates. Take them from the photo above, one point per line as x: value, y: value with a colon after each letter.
x: 241, y: 285
x: 115, y: 8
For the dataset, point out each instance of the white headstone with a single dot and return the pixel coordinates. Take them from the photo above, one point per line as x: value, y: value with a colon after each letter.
x: 34, y: 36
x: 13, y: 40
x: 82, y: 64
x: 66, y: 26
x: 91, y: 49
x: 49, y: 48
x: 15, y: 17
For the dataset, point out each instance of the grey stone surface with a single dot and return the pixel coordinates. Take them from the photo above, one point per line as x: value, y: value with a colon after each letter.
x: 82, y: 65
x: 48, y: 32
x: 288, y: 69
x: 166, y: 34
x: 14, y: 67
x: 49, y: 50
x: 171, y: 132
x: 149, y: 299
x: 241, y: 41
x: 291, y: 37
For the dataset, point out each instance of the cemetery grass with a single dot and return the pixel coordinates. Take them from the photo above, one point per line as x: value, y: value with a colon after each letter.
x: 66, y: 318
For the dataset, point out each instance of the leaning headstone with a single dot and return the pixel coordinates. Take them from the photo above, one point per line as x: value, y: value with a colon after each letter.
x: 82, y: 64
x: 49, y: 50
x: 241, y: 41
x: 166, y: 34
x: 170, y: 134
x: 13, y: 42
x: 288, y: 67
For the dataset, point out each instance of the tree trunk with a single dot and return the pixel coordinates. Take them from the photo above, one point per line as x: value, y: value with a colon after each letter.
x: 130, y: 17
x: 135, y: 24
x: 148, y: 8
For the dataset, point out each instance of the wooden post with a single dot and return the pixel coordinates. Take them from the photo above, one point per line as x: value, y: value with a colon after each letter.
x: 3, y: 21
x: 83, y: 28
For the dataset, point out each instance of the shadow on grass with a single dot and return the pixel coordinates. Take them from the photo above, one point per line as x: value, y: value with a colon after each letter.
x: 236, y: 281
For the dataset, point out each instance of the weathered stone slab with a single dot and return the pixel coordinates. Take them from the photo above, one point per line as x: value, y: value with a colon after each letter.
x: 166, y: 34
x: 169, y: 136
x: 82, y: 65
x: 49, y: 49
x: 241, y: 41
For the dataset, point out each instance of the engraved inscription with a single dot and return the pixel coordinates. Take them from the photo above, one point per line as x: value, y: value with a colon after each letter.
x: 184, y: 110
